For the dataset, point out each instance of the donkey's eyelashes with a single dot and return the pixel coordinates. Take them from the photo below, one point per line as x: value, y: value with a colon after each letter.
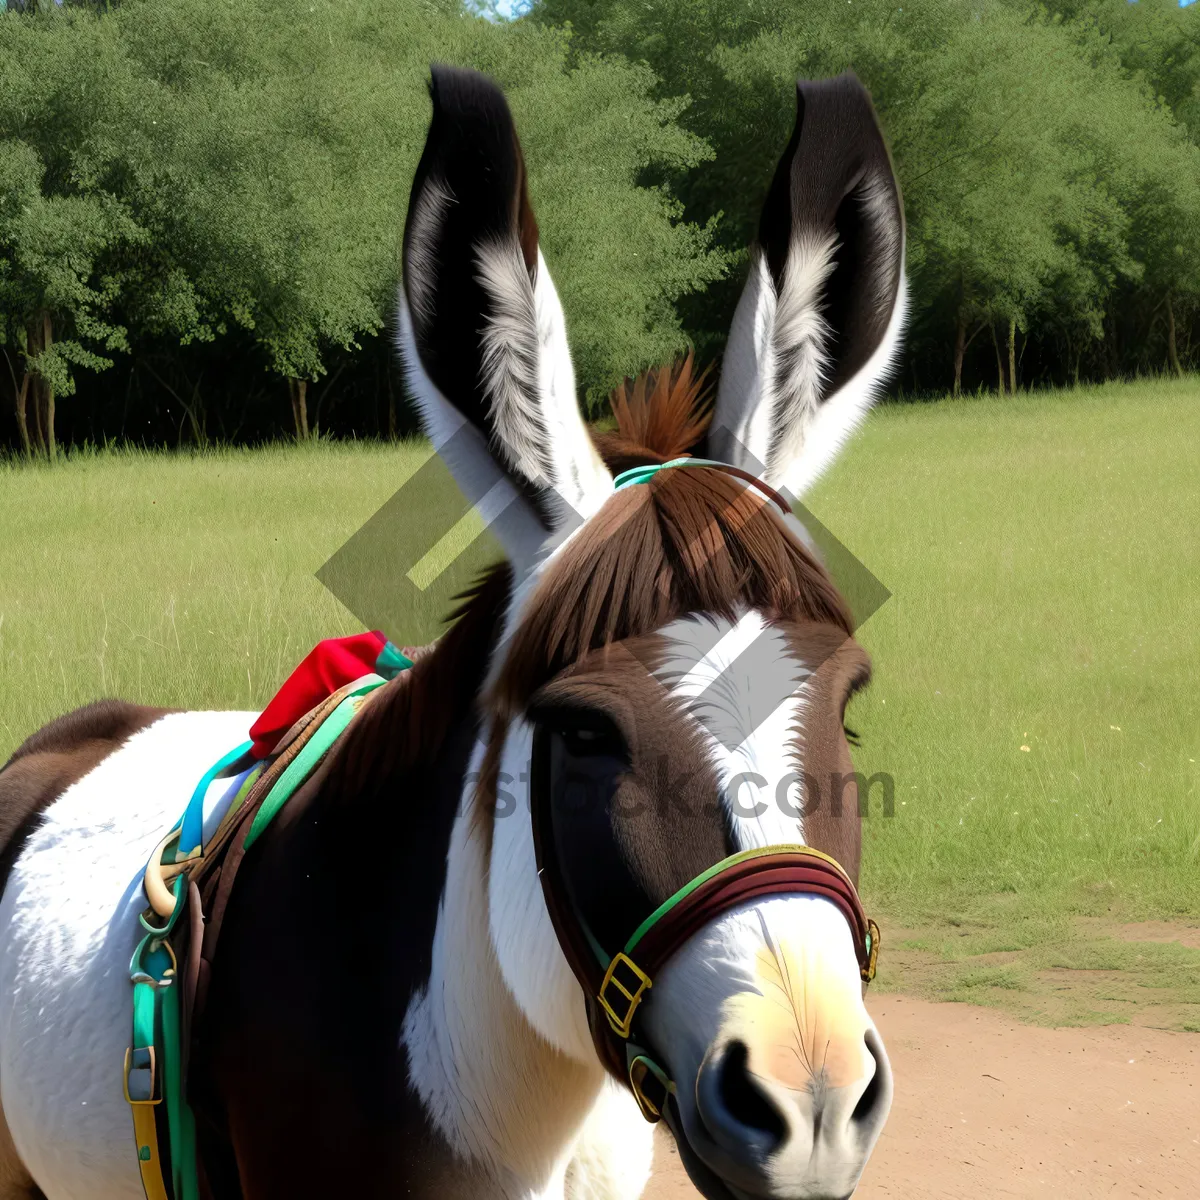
x: 588, y: 741
x: 585, y: 733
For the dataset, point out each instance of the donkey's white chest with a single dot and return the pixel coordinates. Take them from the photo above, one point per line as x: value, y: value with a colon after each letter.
x: 68, y: 926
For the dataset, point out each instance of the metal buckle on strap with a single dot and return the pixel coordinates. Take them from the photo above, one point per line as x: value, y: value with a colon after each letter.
x: 625, y: 999
x: 141, y: 1075
x: 868, y: 969
x: 650, y: 1087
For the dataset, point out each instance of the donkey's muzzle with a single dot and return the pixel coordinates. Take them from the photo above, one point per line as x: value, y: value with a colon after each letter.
x: 769, y: 1138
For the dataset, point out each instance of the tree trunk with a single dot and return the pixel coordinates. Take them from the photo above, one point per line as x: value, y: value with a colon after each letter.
x: 22, y: 394
x: 39, y: 436
x: 1172, y: 348
x: 298, y: 391
x: 39, y: 337
x: 46, y: 390
x: 999, y: 360
x: 31, y: 386
x: 960, y: 349
x: 1012, y: 356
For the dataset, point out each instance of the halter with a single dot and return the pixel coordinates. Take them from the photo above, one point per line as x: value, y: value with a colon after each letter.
x: 644, y: 474
x: 615, y: 984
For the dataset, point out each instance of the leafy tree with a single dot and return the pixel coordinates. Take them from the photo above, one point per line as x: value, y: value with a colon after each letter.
x: 276, y: 174
x: 219, y: 188
x: 1032, y: 160
x: 63, y: 229
x: 1156, y: 40
x: 205, y: 174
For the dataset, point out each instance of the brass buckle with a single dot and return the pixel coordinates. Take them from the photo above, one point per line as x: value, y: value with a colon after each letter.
x: 650, y: 1087
x: 141, y: 1058
x: 868, y: 972
x: 622, y: 1023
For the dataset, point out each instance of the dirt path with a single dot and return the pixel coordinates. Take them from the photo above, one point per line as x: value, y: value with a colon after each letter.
x: 988, y: 1108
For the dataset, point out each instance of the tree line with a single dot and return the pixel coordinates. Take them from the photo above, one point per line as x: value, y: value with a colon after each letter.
x: 201, y: 201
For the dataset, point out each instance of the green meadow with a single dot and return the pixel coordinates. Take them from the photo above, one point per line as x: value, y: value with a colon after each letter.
x: 1035, y: 691
x: 1034, y: 696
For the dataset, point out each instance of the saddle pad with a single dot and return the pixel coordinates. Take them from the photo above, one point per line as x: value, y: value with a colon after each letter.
x: 189, y: 881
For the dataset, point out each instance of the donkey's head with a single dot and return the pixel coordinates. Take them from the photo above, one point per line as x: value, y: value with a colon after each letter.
x: 669, y: 691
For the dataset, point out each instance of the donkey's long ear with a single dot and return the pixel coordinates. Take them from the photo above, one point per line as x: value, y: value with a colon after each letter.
x: 819, y: 322
x: 482, y: 329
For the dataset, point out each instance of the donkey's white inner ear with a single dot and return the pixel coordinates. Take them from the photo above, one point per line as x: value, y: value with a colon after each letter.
x: 482, y: 328
x: 530, y: 384
x: 463, y: 447
x: 818, y: 324
x: 581, y: 480
x: 833, y: 423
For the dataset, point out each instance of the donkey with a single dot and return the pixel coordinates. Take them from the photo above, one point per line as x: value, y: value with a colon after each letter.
x: 397, y: 1008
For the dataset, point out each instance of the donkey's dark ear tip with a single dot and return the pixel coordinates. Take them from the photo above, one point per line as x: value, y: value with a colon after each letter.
x: 461, y: 90
x: 845, y: 84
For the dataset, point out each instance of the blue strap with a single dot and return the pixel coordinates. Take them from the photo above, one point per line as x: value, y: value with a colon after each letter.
x: 191, y: 831
x: 645, y: 473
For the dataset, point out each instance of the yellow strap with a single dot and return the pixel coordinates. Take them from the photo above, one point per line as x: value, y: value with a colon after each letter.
x: 145, y: 1130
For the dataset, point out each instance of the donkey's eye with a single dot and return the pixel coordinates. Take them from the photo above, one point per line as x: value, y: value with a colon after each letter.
x: 581, y: 732
x: 851, y: 736
x: 586, y: 740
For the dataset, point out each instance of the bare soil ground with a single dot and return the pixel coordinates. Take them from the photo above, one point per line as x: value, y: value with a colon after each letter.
x: 988, y: 1108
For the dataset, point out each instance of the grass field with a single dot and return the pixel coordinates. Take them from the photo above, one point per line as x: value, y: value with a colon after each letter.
x: 1035, y: 694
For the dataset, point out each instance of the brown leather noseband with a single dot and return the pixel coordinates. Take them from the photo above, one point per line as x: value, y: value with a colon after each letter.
x: 616, y: 985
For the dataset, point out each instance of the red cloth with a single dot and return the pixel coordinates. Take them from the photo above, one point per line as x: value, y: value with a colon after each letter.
x: 331, y: 664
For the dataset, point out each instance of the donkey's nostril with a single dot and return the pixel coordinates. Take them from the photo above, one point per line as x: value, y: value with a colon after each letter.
x: 742, y: 1104
x: 866, y: 1111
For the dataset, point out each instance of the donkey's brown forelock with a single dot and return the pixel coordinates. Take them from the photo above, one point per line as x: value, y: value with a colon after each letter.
x: 691, y: 540
x: 663, y: 413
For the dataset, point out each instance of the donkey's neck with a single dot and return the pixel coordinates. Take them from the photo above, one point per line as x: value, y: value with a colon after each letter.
x: 500, y: 1094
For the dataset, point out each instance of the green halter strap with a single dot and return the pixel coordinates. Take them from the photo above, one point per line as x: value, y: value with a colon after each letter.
x: 645, y: 473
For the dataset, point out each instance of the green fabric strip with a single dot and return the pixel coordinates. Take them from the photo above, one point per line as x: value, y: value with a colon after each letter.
x: 390, y: 662
x: 181, y: 1124
x: 688, y: 888
x: 636, y: 475
x: 156, y: 1025
x: 299, y: 769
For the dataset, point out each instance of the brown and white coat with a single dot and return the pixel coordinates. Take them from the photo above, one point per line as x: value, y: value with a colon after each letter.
x: 685, y: 653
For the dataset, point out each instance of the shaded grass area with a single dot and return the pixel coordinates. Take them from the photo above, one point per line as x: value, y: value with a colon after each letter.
x: 1050, y: 970
x: 1043, y: 555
